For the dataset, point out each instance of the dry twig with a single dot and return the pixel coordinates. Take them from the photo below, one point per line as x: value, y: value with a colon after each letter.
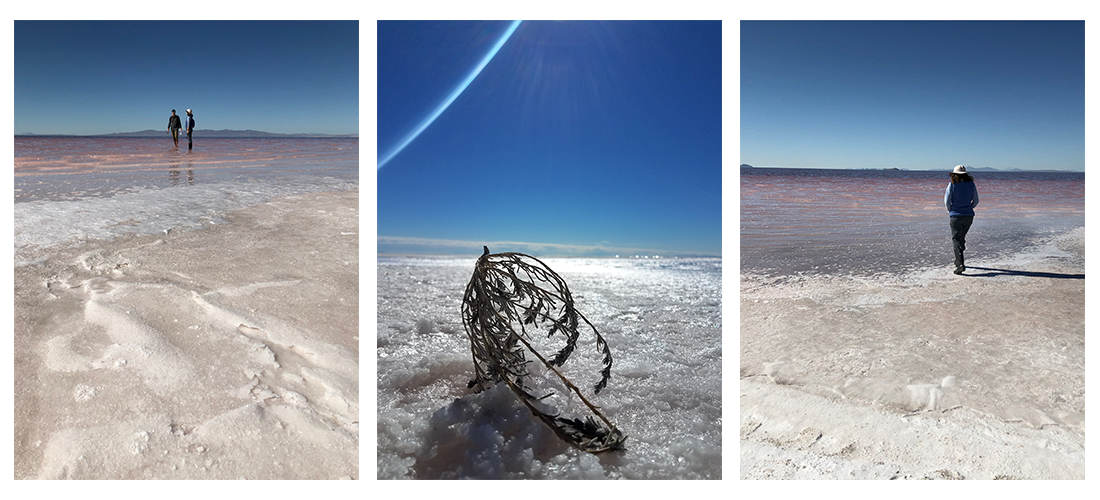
x: 510, y: 296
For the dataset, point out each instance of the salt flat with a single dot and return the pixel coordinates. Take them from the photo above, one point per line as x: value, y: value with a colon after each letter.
x: 662, y: 321
x: 220, y: 353
x: 921, y: 375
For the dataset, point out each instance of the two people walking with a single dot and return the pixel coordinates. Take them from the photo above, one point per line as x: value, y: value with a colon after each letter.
x: 174, y: 127
x: 961, y: 198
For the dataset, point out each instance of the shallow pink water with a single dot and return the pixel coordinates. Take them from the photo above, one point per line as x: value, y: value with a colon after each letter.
x: 874, y: 221
x: 63, y: 167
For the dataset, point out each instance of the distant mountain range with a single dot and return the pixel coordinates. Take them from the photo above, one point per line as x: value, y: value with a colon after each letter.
x: 972, y: 169
x: 199, y: 133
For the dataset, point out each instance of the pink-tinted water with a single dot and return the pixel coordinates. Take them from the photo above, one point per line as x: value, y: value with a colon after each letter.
x: 857, y: 221
x: 74, y: 167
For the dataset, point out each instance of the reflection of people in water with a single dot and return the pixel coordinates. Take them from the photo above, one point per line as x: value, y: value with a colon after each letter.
x: 174, y: 175
x: 174, y: 127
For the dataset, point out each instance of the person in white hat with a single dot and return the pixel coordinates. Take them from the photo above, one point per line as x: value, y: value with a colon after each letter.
x: 961, y: 198
x: 190, y: 126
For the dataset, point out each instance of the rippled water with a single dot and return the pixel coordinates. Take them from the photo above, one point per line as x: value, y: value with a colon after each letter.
x: 868, y: 221
x: 662, y: 319
x: 67, y: 188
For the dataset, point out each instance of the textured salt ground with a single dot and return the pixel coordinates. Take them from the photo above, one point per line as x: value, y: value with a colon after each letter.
x: 228, y: 352
x: 664, y: 329
x: 925, y: 375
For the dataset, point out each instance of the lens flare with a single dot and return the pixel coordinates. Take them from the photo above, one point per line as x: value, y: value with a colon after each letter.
x: 450, y: 98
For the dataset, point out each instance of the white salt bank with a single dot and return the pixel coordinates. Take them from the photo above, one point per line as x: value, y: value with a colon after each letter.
x: 219, y: 353
x: 921, y: 375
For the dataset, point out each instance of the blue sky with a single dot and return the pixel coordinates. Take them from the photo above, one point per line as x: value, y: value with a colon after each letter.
x: 576, y: 138
x: 95, y: 77
x: 916, y: 95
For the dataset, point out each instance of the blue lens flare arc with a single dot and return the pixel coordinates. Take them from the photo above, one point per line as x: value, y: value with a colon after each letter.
x: 450, y: 98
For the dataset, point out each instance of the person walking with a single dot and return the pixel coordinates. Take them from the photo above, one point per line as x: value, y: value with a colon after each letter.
x: 190, y: 126
x: 174, y: 127
x: 961, y: 198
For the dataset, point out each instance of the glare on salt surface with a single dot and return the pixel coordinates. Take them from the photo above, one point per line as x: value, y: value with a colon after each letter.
x: 662, y: 321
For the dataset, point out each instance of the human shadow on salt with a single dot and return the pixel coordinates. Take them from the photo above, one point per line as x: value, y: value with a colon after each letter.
x: 491, y: 435
x: 1030, y: 274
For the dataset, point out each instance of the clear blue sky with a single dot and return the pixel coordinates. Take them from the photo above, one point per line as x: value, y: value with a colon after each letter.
x: 95, y: 77
x: 916, y: 95
x: 588, y: 137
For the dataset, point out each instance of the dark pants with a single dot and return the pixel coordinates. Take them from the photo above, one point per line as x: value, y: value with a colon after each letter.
x: 188, y: 139
x: 959, y: 227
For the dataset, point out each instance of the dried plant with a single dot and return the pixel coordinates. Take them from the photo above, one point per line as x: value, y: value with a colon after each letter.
x: 511, y: 296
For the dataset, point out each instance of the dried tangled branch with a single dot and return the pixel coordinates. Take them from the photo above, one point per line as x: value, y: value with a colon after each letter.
x: 509, y: 297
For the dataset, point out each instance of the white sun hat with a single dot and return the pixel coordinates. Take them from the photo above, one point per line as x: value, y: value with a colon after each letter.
x: 959, y: 169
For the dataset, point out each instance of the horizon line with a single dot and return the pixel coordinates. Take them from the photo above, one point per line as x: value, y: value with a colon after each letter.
x: 976, y: 169
x: 549, y: 249
x: 157, y: 131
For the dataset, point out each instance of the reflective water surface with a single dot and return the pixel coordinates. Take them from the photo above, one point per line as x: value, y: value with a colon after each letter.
x: 78, y: 167
x: 867, y: 221
x: 70, y: 188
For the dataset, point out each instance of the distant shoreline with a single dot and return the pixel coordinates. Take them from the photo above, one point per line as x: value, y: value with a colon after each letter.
x: 894, y: 169
x: 223, y: 133
x: 549, y: 256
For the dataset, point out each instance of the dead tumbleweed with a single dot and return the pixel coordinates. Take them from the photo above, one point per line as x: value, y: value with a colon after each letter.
x: 509, y: 297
